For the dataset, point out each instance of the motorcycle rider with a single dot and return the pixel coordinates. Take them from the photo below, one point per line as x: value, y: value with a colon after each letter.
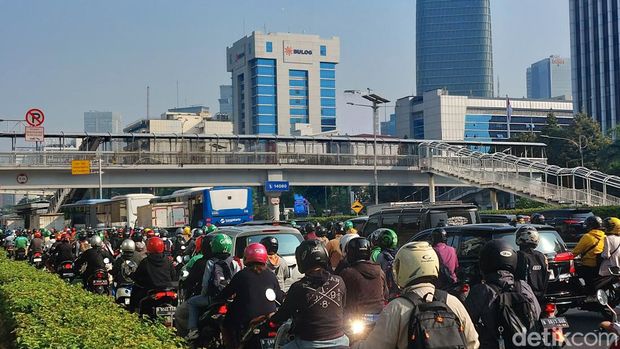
x: 333, y: 246
x: 321, y: 235
x: 538, y: 218
x: 498, y: 262
x: 249, y: 288
x: 589, y: 247
x: 154, y: 272
x: 416, y: 268
x: 532, y: 265
x: 93, y: 258
x: 446, y: 254
x: 316, y: 302
x: 138, y: 238
x: 276, y: 263
x: 348, y: 227
x: 387, y: 240
x: 365, y: 281
x: 119, y: 272
x: 193, y: 282
x: 611, y: 251
x: 344, y: 241
x: 62, y: 252
x: 36, y: 244
x: 21, y: 243
x: 310, y: 231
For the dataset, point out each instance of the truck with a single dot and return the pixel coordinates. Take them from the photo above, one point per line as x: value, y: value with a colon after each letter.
x: 163, y: 215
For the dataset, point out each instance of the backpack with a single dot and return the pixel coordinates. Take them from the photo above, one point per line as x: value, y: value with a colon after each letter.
x: 515, y: 315
x: 444, y: 279
x: 220, y: 277
x: 433, y: 325
x: 388, y: 270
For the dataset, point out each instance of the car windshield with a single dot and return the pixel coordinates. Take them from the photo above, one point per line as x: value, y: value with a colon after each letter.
x: 287, y: 243
x: 550, y: 242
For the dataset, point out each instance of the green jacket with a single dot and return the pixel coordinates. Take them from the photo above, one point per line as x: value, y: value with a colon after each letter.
x: 21, y: 242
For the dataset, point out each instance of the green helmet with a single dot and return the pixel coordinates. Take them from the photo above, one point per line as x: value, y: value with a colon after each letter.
x: 208, y: 229
x: 46, y: 233
x: 348, y: 225
x: 386, y: 238
x: 293, y: 224
x: 221, y: 243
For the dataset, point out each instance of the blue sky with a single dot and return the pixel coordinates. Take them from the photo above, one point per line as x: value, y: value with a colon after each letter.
x: 71, y: 56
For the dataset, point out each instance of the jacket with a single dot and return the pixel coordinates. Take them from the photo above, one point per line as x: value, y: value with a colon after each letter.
x: 482, y: 308
x: 392, y: 328
x: 367, y: 289
x: 154, y: 272
x: 93, y: 257
x: 279, y: 266
x: 63, y: 252
x: 533, y: 268
x: 448, y: 258
x: 193, y: 281
x: 611, y: 254
x: 595, y: 238
x: 121, y: 273
x: 333, y: 249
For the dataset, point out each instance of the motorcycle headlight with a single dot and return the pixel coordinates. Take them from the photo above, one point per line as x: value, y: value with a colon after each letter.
x: 357, y: 326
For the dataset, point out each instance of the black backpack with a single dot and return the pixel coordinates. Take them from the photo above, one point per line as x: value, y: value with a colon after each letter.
x: 433, y: 325
x: 515, y: 314
x: 220, y: 277
x: 389, y: 271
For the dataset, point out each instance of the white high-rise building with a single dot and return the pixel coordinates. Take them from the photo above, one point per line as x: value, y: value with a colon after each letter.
x: 283, y: 83
x: 102, y: 122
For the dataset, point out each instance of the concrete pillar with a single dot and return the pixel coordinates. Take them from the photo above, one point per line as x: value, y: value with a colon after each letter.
x: 431, y: 187
x: 494, y: 203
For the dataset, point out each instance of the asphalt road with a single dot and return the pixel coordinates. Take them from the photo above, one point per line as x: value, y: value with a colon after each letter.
x: 583, y: 331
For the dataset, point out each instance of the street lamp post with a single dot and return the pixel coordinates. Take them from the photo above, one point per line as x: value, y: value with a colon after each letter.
x: 581, y: 146
x: 376, y: 101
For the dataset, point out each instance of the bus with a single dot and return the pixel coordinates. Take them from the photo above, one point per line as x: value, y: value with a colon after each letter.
x: 216, y: 205
x: 119, y: 211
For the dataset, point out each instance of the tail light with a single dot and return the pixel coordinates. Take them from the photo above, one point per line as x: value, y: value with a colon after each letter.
x: 564, y: 257
x: 99, y: 275
x: 67, y: 266
x: 550, y: 309
x: 272, y: 334
x: 274, y: 329
x: 37, y: 254
x: 572, y: 269
x: 465, y: 288
x: 571, y: 221
x: 223, y: 309
x: 168, y: 294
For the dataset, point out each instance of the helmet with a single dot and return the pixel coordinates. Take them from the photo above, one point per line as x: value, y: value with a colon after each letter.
x: 65, y: 237
x: 149, y: 233
x: 413, y: 261
x: 210, y: 228
x: 82, y: 235
x: 593, y: 222
x: 179, y: 231
x: 271, y: 244
x: 309, y: 228
x: 374, y: 238
x: 497, y: 255
x: 196, y: 232
x: 128, y: 246
x: 46, y: 233
x: 221, y: 243
x: 339, y: 228
x: 612, y: 225
x: 321, y: 232
x: 206, y: 245
x: 37, y: 235
x: 348, y: 225
x: 344, y: 240
x: 358, y: 249
x: 95, y: 241
x: 521, y: 218
x: 527, y: 235
x: 255, y: 253
x: 137, y: 236
x: 439, y: 235
x: 309, y: 254
x: 163, y: 233
x: 154, y: 245
x: 386, y: 238
x: 293, y: 224
x: 140, y: 246
x: 187, y: 231
x: 537, y: 218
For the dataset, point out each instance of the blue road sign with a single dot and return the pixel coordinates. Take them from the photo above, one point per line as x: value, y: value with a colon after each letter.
x: 276, y: 186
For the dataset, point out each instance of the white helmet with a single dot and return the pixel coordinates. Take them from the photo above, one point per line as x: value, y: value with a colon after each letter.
x: 527, y: 235
x: 413, y: 261
x: 344, y: 240
x: 95, y: 241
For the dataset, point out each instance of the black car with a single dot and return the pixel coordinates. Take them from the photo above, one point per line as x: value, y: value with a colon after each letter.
x: 469, y: 239
x: 568, y: 222
x: 497, y: 218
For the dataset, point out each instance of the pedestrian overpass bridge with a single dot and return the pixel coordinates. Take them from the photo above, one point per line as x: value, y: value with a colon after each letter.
x: 146, y: 160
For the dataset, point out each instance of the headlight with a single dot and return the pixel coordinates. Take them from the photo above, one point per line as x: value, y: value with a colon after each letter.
x: 357, y: 326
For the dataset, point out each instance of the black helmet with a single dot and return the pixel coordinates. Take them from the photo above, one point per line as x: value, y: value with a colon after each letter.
x: 537, y: 218
x: 439, y: 235
x: 205, y: 247
x: 358, y: 249
x: 271, y: 244
x: 593, y: 222
x: 339, y: 228
x: 137, y: 236
x: 497, y: 255
x: 309, y: 254
x: 163, y: 233
x: 309, y: 228
x: 329, y: 225
x: 321, y: 232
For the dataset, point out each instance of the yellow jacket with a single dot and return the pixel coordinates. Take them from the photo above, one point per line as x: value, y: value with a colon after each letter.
x: 588, y: 240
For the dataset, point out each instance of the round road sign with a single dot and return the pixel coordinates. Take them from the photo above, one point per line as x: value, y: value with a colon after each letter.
x: 22, y: 178
x: 35, y: 117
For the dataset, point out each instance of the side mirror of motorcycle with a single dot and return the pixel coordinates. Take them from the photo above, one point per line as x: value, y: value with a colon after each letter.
x: 601, y: 296
x: 615, y: 271
x: 270, y: 294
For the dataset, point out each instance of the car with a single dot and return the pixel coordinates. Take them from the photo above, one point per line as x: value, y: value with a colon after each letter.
x: 409, y: 220
x: 359, y: 222
x: 468, y: 240
x: 288, y: 240
x: 569, y: 222
x: 497, y: 218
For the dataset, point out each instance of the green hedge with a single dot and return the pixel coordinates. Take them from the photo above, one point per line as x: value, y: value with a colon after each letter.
x: 42, y: 311
x: 602, y: 211
x: 324, y: 220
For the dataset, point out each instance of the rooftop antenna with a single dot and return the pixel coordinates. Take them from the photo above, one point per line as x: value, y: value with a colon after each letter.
x: 148, y: 91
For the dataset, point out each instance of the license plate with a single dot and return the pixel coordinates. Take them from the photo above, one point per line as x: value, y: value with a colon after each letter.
x: 100, y: 282
x: 37, y: 260
x: 268, y: 343
x: 165, y: 311
x: 127, y: 300
x: 67, y: 275
x: 554, y: 322
x: 551, y: 274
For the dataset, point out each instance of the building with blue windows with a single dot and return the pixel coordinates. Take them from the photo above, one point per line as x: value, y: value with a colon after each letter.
x: 453, y: 47
x: 283, y: 84
x: 437, y: 115
x: 549, y: 78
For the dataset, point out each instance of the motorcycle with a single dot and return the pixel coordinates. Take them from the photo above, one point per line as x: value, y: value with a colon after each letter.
x: 210, y: 324
x: 65, y: 270
x: 20, y: 254
x: 99, y: 282
x: 609, y: 326
x: 261, y: 333
x: 10, y: 250
x: 608, y: 284
x: 160, y: 304
x: 37, y: 260
x: 122, y: 294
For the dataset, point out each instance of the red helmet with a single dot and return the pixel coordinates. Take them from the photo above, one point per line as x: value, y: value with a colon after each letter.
x: 198, y: 244
x: 65, y: 237
x: 255, y: 253
x: 154, y: 245
x: 37, y: 235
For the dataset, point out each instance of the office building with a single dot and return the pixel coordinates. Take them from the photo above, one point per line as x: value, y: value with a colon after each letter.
x: 437, y: 115
x: 283, y: 83
x: 102, y: 122
x: 453, y: 47
x: 388, y: 128
x: 595, y: 59
x: 226, y: 102
x: 549, y: 78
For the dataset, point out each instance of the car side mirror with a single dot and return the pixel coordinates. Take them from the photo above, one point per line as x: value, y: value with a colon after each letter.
x: 270, y: 294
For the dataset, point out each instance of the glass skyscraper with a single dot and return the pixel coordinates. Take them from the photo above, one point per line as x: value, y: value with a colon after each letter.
x: 453, y: 47
x: 595, y: 54
x: 549, y: 78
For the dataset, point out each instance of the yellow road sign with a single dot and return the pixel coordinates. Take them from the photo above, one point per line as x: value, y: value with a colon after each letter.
x: 80, y: 167
x: 357, y: 206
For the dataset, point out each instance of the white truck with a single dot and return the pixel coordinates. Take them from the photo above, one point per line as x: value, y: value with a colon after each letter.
x: 163, y: 215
